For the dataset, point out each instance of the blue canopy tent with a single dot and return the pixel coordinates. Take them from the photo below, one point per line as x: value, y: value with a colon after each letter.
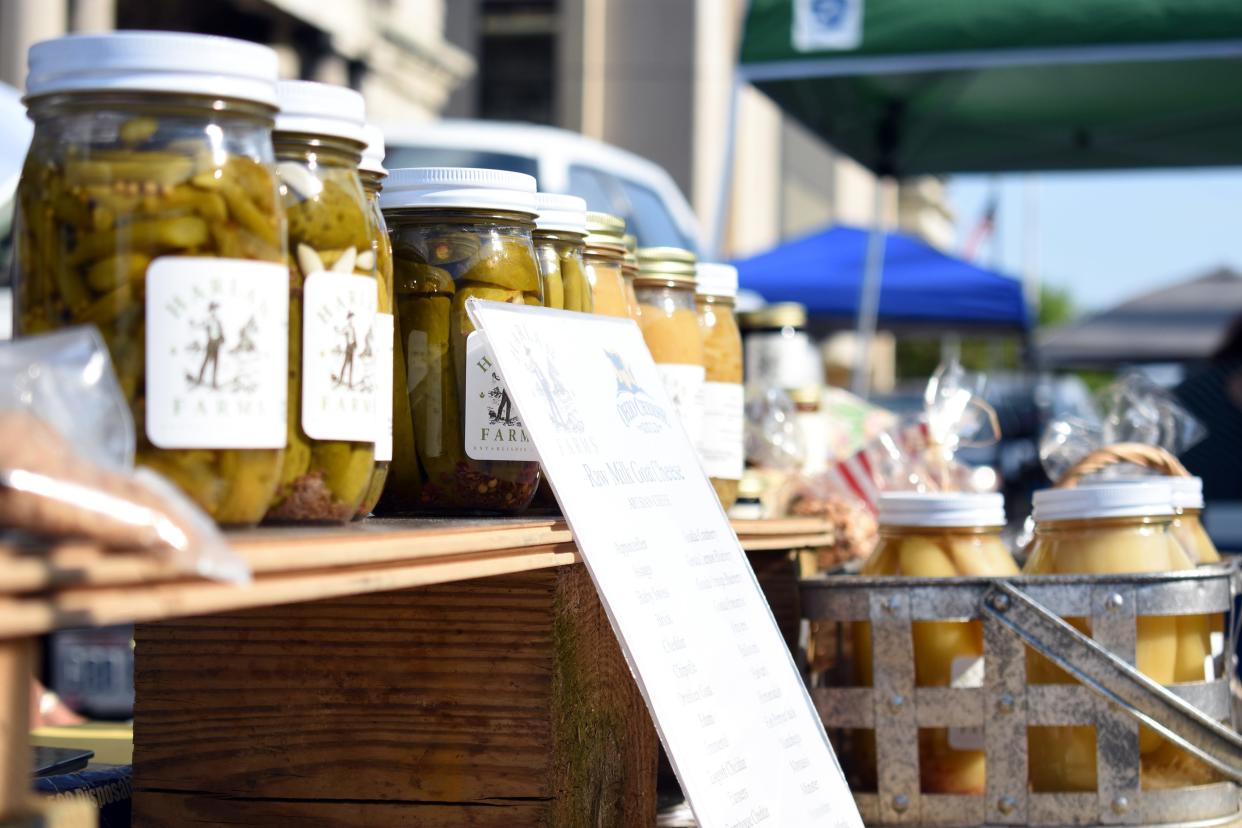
x: 922, y: 286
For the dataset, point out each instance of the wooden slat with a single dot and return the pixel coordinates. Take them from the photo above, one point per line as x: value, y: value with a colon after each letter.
x: 782, y: 526
x: 16, y: 670
x: 76, y: 585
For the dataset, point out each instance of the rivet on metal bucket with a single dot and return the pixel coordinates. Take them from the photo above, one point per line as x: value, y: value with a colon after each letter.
x: 1005, y: 704
x: 1114, y: 602
x: 1120, y: 805
x: 901, y: 803
x: 892, y: 604
x: 1000, y: 602
x: 1007, y: 805
x: 896, y: 702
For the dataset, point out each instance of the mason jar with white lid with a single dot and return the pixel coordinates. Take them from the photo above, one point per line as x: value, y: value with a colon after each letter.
x: 372, y: 172
x: 941, y: 535
x: 560, y: 239
x: 333, y: 301
x: 148, y: 207
x: 1111, y: 527
x: 460, y: 233
x: 721, y: 447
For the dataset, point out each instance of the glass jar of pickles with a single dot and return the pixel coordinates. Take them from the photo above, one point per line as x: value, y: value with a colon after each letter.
x: 721, y: 447
x: 1105, y: 528
x: 459, y: 234
x: 372, y: 173
x: 604, y: 258
x: 669, y: 319
x: 941, y: 535
x: 148, y: 207
x: 560, y: 233
x: 1188, y: 520
x: 333, y: 300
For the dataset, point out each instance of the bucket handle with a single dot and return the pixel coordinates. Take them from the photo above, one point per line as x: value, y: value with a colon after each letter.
x: 1113, y: 679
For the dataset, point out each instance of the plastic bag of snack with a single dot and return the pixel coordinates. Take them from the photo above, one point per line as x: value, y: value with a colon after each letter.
x: 66, y: 460
x: 1133, y: 409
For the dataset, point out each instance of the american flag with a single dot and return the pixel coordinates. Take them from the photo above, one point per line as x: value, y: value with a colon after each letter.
x: 984, y: 228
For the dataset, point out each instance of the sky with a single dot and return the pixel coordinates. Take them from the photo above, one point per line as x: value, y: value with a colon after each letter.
x: 1106, y: 237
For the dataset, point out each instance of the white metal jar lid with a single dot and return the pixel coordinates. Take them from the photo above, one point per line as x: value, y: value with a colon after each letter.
x: 942, y: 509
x: 560, y: 213
x: 1187, y: 492
x: 373, y: 155
x: 312, y: 108
x: 1105, y: 500
x: 716, y: 279
x: 186, y: 64
x: 459, y: 188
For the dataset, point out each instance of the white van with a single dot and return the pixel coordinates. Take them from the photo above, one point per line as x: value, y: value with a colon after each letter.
x: 611, y: 180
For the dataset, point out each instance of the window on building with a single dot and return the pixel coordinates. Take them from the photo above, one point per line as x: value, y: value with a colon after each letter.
x: 517, y: 60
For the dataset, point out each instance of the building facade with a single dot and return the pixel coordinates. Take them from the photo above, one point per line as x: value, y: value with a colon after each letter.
x: 656, y: 77
x: 393, y: 51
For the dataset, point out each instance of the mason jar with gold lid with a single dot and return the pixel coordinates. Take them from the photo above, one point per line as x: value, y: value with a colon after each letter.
x: 372, y: 173
x: 668, y: 317
x: 605, y: 257
x: 460, y: 233
x: 148, y: 207
x: 630, y: 270
x: 560, y: 234
x: 1108, y: 528
x: 333, y: 301
x: 941, y: 535
x: 721, y: 447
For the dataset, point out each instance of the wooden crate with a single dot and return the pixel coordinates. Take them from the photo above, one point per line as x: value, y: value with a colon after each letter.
x: 503, y: 701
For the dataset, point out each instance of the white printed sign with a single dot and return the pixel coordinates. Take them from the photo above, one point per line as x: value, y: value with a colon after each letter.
x: 338, y: 357
x: 823, y: 25
x: 217, y: 343
x: 738, y: 724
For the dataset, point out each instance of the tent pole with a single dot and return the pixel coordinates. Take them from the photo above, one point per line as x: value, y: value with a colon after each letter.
x: 869, y: 296
x: 723, y: 196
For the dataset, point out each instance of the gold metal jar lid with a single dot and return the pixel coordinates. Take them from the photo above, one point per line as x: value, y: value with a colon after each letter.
x: 806, y: 395
x: 605, y: 232
x: 631, y: 254
x: 670, y: 266
x: 780, y: 315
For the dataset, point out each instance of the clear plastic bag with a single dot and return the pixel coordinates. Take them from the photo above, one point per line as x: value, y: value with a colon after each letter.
x: 66, y: 460
x: 772, y: 438
x: 1132, y: 410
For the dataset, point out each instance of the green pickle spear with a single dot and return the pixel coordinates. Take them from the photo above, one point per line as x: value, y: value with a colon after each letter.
x: 92, y: 219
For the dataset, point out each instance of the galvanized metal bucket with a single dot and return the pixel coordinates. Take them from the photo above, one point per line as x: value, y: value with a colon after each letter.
x: 1113, y: 697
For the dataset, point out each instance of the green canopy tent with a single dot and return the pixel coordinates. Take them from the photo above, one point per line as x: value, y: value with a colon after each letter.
x: 915, y: 87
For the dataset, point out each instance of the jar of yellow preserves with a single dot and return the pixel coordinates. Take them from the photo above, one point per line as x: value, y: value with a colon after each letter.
x: 629, y: 270
x: 333, y: 300
x: 669, y: 319
x: 1188, y: 520
x: 605, y: 257
x: 1105, y: 528
x: 559, y: 237
x: 458, y: 234
x: 148, y: 208
x: 372, y: 173
x: 941, y: 535
x: 721, y: 447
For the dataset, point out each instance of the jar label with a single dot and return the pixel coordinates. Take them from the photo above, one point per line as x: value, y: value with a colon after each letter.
x: 217, y: 346
x: 493, y: 430
x: 338, y: 357
x: 383, y: 386
x: 684, y: 384
x: 966, y: 671
x: 721, y: 447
